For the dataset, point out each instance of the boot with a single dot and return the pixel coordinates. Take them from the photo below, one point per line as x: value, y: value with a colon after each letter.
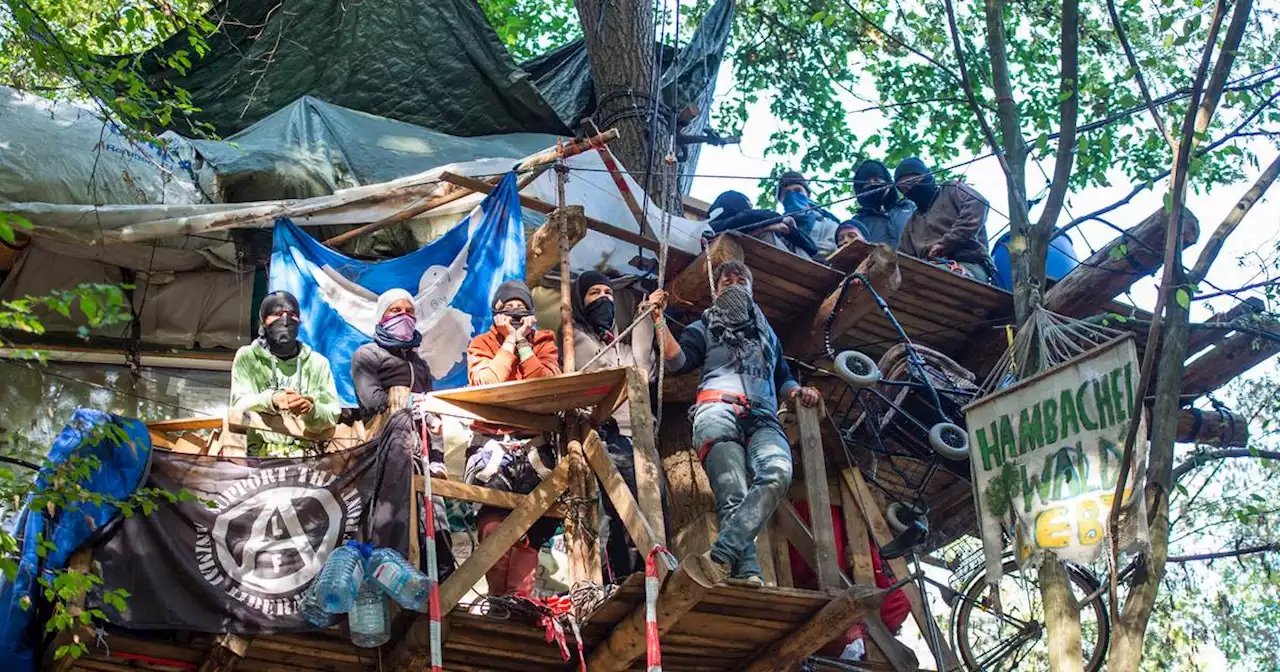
x: 913, y: 536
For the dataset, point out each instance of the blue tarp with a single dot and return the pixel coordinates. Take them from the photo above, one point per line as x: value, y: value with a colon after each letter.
x: 452, y: 281
x: 122, y: 447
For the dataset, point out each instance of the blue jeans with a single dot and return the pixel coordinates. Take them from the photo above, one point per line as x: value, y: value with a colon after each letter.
x: 748, y: 461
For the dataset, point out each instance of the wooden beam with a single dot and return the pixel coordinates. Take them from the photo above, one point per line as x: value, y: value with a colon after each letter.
x: 798, y: 533
x: 582, y: 525
x: 691, y: 287
x: 492, y: 415
x: 858, y: 539
x: 678, y: 596
x: 1221, y: 429
x: 644, y: 446
x: 882, y: 535
x: 184, y: 424
x: 542, y: 251
x: 615, y: 488
x: 1136, y: 253
x: 610, y: 404
x: 766, y: 555
x: 849, y: 304
x: 815, y: 479
x: 500, y: 540
x: 693, y: 504
x: 781, y: 553
x: 481, y: 495
x: 679, y: 256
x: 837, y: 617
x: 1203, y: 338
x: 289, y: 425
x: 226, y: 652
x: 1227, y: 360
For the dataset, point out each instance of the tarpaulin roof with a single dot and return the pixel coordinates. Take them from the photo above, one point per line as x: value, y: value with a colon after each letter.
x: 434, y: 63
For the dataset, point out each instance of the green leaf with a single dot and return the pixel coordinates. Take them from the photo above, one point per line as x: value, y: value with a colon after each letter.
x: 1183, y: 298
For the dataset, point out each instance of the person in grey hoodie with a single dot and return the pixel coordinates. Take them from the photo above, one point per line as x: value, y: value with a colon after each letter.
x: 735, y: 419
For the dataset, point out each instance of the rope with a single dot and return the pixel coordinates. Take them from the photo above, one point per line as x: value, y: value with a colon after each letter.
x: 433, y: 573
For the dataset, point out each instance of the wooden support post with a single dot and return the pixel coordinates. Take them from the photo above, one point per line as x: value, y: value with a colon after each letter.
x: 499, y: 541
x: 815, y: 480
x: 542, y: 250
x: 1225, y: 361
x: 848, y: 304
x: 691, y: 287
x: 581, y: 523
x: 800, y: 535
x: 1137, y: 252
x: 226, y: 653
x: 481, y: 495
x: 837, y: 617
x: 1219, y: 428
x: 566, y: 275
x: 858, y: 542
x: 765, y: 553
x: 781, y: 554
x: 615, y: 487
x: 882, y: 534
x: 678, y: 596
x: 644, y: 446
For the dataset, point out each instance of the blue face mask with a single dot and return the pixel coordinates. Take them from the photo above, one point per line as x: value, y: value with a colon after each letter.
x: 795, y: 200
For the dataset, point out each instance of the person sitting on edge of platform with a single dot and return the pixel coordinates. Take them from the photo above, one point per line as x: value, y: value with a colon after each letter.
x: 735, y: 419
x: 505, y: 459
x: 276, y: 374
x: 881, y: 214
x: 392, y: 361
x: 948, y: 228
x: 732, y: 211
x: 816, y: 222
x: 593, y: 331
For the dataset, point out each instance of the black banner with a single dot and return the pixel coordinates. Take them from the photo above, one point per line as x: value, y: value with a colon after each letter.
x: 243, y: 565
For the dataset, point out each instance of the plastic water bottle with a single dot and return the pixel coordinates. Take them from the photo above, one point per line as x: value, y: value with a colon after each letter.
x: 340, y: 579
x: 312, y: 611
x: 399, y: 579
x: 369, y: 620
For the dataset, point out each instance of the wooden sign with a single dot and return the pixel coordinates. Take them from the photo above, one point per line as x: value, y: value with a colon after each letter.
x: 1045, y: 456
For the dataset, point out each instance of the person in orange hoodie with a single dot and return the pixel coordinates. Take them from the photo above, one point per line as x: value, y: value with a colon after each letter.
x: 512, y: 349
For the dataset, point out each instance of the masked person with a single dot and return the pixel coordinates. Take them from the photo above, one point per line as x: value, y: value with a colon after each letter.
x: 384, y: 373
x: 732, y: 211
x: 278, y: 375
x: 949, y: 227
x: 593, y: 332
x: 735, y: 419
x: 515, y: 461
x: 881, y: 214
x: 815, y: 222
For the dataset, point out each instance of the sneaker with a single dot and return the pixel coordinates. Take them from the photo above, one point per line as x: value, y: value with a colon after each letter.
x: 914, y: 535
x: 754, y: 580
x: 706, y: 570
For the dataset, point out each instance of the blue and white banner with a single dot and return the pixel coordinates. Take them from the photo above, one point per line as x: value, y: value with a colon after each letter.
x: 452, y: 280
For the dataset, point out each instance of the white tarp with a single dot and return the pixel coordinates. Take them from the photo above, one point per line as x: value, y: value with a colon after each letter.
x: 1045, y: 456
x: 58, y: 152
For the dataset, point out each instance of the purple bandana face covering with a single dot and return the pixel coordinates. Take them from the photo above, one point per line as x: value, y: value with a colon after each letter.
x: 401, y: 327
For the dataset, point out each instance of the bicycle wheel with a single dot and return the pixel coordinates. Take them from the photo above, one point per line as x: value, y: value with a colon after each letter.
x: 1016, y: 639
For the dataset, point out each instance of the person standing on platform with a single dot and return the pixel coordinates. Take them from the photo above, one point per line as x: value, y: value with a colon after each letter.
x: 949, y: 227
x: 735, y: 419
x: 278, y: 375
x: 499, y: 457
x: 384, y: 373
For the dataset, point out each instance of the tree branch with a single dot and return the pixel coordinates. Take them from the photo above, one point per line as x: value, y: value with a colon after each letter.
x: 962, y: 78
x: 1232, y: 221
x: 1137, y: 71
x: 1202, y: 458
x: 1068, y: 115
x: 969, y: 94
x: 1249, y: 550
x: 1232, y: 292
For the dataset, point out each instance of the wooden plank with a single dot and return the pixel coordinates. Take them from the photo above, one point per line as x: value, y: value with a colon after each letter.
x: 818, y: 277
x: 1226, y: 361
x: 882, y: 534
x: 289, y: 425
x: 493, y: 415
x: 857, y: 542
x: 542, y: 251
x: 184, y: 424
x: 225, y: 653
x: 644, y: 446
x: 849, y: 306
x: 678, y: 596
x: 541, y: 395
x: 609, y: 405
x: 850, y: 255
x: 503, y: 537
x: 819, y: 497
x: 676, y: 255
x: 800, y: 536
x: 838, y: 616
x: 781, y: 553
x: 765, y: 554
x: 480, y: 495
x: 615, y: 488
x: 582, y: 524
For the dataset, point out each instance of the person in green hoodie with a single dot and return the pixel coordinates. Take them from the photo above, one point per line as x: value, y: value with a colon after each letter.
x: 278, y: 375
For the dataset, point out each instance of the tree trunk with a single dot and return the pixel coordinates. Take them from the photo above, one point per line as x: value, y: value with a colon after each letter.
x: 620, y: 48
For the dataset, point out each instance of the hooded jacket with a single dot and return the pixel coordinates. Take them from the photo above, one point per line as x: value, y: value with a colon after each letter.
x: 762, y: 377
x: 488, y: 363
x: 638, y: 353
x: 257, y: 375
x: 956, y: 219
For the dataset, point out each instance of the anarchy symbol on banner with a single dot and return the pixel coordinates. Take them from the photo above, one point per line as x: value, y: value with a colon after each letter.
x: 275, y: 506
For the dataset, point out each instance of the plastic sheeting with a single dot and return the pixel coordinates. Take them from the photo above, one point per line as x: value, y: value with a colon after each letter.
x: 55, y: 152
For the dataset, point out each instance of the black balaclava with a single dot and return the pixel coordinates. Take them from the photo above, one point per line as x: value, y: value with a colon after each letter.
x: 924, y: 190
x: 513, y: 289
x: 791, y: 178
x: 599, y: 314
x: 873, y: 197
x: 728, y: 204
x: 279, y: 337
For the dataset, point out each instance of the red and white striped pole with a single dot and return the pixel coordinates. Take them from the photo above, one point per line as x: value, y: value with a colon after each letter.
x: 433, y: 573
x: 653, y: 648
